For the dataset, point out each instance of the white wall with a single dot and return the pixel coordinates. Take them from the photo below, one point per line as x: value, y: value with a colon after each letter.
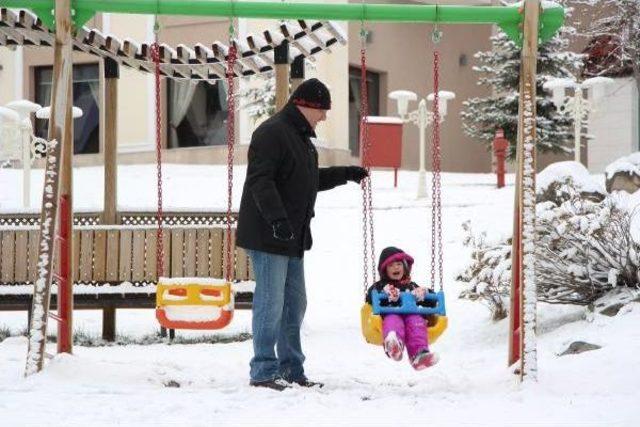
x: 136, y: 102
x: 10, y: 83
x: 614, y: 126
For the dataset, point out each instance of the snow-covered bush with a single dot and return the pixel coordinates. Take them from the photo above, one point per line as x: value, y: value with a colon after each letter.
x: 586, y: 245
x: 584, y: 249
x: 488, y: 277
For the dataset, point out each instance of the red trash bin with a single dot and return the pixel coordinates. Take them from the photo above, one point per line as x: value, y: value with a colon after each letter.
x: 385, y: 143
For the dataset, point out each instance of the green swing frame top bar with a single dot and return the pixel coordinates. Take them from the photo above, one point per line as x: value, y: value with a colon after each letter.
x: 508, y: 18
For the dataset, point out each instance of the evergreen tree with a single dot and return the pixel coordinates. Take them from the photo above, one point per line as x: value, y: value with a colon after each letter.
x: 260, y: 99
x: 499, y: 70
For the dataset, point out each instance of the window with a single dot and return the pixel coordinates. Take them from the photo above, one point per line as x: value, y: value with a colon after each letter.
x: 86, y: 85
x: 197, y: 114
x: 373, y: 98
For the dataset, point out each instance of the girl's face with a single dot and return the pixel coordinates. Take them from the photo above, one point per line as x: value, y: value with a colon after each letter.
x: 395, y: 270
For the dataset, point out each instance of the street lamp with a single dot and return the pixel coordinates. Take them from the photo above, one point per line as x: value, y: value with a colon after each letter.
x: 577, y: 105
x: 24, y: 109
x: 17, y: 141
x: 421, y: 118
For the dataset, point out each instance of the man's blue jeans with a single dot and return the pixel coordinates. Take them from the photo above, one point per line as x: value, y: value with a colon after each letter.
x: 279, y: 304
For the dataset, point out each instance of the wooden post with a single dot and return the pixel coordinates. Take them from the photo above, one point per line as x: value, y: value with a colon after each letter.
x: 110, y: 133
x: 61, y: 129
x: 281, y: 59
x: 109, y: 323
x: 297, y: 72
x: 522, y: 345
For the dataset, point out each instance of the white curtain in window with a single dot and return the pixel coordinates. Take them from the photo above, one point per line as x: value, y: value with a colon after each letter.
x: 94, y: 87
x: 181, y: 96
x: 222, y: 95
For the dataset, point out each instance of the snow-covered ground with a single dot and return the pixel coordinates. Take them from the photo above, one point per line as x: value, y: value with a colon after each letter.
x: 126, y: 385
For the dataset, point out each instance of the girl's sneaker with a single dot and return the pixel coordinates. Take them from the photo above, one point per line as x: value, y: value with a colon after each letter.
x: 393, y: 347
x: 423, y: 360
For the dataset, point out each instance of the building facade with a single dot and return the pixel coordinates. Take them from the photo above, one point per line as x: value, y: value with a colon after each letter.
x: 399, y: 56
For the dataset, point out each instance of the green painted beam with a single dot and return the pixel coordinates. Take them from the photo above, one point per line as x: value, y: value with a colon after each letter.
x: 509, y: 18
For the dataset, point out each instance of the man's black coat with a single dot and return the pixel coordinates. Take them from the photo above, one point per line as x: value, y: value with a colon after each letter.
x: 282, y: 182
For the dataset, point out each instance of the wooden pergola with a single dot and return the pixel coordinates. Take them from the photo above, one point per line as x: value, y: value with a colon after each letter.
x: 257, y: 54
x: 282, y: 51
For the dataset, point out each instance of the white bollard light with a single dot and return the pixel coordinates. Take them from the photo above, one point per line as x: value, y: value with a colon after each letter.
x: 25, y: 108
x: 402, y: 97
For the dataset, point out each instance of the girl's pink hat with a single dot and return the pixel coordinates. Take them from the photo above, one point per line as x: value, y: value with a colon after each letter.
x: 391, y: 254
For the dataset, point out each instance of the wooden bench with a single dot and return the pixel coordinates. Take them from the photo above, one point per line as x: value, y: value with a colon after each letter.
x: 19, y: 298
x: 106, y: 256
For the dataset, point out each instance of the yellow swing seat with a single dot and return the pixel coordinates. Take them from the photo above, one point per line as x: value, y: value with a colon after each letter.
x: 177, y: 300
x: 372, y: 326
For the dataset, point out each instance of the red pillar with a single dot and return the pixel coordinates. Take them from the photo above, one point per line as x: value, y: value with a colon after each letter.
x: 65, y: 284
x: 500, y: 145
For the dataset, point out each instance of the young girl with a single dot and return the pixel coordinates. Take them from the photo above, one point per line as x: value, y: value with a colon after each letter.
x: 399, y: 330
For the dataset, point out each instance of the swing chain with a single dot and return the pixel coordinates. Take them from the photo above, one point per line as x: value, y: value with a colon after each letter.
x: 155, y: 55
x: 231, y: 107
x: 367, y: 201
x: 436, y: 186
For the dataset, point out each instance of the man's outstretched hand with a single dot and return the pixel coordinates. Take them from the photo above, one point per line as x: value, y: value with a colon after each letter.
x: 355, y: 173
x: 282, y: 230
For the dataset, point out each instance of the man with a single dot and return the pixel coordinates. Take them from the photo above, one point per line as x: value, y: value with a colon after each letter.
x: 277, y: 205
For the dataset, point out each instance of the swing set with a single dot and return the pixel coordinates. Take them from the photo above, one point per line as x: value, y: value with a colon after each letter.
x: 527, y: 23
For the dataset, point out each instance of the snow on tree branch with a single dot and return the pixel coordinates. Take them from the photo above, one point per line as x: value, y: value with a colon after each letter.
x: 499, y: 71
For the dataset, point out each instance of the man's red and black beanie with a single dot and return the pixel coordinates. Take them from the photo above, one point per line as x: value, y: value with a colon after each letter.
x: 391, y: 254
x: 312, y: 93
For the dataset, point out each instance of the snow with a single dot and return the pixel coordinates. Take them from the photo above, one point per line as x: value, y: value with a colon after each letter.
x: 125, y: 385
x: 595, y: 81
x: 198, y: 281
x: 559, y: 171
x: 337, y: 28
x: 443, y: 94
x: 40, y: 303
x: 45, y: 112
x: 24, y: 107
x: 194, y: 313
x: 123, y: 288
x: 385, y: 120
x: 545, y: 4
x: 8, y: 115
x: 529, y: 303
x: 559, y: 83
x: 621, y: 166
x: 629, y: 164
x: 549, y: 4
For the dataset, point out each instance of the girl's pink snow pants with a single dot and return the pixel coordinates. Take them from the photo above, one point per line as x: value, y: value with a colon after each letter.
x: 410, y: 329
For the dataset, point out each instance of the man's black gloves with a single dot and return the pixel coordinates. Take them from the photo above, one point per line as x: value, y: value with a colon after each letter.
x: 355, y: 173
x: 282, y: 230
